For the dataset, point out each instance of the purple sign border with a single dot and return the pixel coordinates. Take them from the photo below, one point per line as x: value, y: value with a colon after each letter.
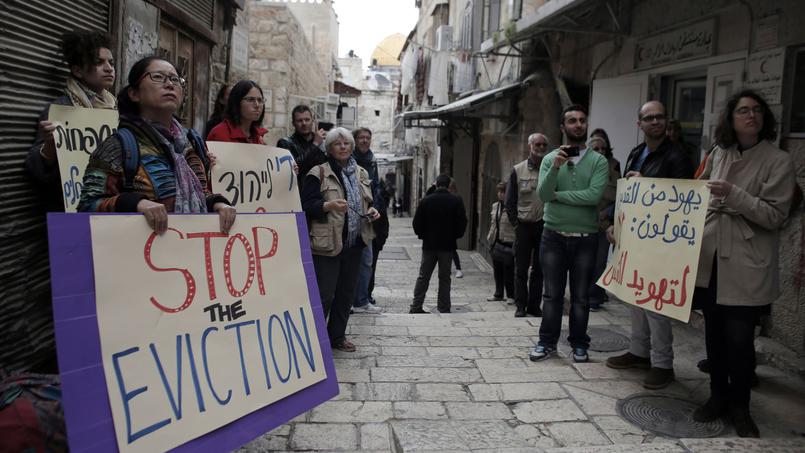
x: 85, y: 399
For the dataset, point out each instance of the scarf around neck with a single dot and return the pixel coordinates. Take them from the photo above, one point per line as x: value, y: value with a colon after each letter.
x: 190, y: 197
x: 352, y: 188
x: 81, y: 96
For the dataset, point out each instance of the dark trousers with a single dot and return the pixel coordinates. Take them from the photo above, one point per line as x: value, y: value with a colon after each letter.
x: 376, y: 248
x: 597, y: 293
x: 560, y: 256
x: 337, y: 277
x: 729, y: 333
x: 429, y: 260
x: 527, y: 289
x: 456, y: 261
x: 504, y: 278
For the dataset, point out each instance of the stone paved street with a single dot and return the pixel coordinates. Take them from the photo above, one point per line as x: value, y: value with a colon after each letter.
x: 462, y: 381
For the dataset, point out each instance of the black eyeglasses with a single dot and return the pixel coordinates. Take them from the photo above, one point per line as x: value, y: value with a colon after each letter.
x: 363, y: 216
x: 161, y: 78
x: 652, y: 118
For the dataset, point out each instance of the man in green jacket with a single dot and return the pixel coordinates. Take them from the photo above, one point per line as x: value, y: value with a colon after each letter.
x: 571, y: 182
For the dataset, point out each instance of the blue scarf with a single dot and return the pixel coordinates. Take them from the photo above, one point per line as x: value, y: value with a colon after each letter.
x: 353, y: 190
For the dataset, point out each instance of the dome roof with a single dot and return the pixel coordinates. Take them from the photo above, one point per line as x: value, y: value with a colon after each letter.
x: 388, y: 50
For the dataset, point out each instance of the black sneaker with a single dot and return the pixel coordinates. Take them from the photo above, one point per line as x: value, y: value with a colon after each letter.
x: 580, y: 355
x: 658, y: 378
x: 541, y: 353
x: 519, y: 313
x: 417, y: 311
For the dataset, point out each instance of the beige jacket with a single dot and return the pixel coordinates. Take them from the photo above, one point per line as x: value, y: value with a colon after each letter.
x: 326, y: 236
x: 529, y: 206
x: 742, y: 230
x: 506, y: 228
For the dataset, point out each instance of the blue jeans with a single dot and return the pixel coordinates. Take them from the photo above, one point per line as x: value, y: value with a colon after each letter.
x: 560, y: 255
x: 364, y: 275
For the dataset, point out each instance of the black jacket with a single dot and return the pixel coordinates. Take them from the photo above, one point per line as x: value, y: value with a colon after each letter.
x: 667, y: 161
x: 306, y: 154
x: 440, y: 219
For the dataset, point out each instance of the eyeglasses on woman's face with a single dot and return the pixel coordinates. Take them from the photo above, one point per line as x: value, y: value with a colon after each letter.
x: 254, y: 100
x: 745, y: 111
x: 162, y: 79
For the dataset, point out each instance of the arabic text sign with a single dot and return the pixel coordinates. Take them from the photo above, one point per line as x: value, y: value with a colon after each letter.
x: 658, y: 225
x: 764, y: 74
x: 199, y: 328
x: 692, y: 41
x: 78, y: 132
x: 255, y: 178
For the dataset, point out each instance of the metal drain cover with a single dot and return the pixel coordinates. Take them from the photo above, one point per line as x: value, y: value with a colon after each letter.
x: 666, y: 415
x: 394, y: 254
x: 604, y: 340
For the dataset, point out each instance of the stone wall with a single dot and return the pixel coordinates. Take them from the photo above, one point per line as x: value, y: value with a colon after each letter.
x: 381, y: 124
x: 283, y: 62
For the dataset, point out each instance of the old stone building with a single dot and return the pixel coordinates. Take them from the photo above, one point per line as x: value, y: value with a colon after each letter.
x: 285, y: 63
x: 514, y: 65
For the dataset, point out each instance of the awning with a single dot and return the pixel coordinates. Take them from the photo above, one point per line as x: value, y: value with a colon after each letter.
x: 461, y: 106
x: 602, y: 17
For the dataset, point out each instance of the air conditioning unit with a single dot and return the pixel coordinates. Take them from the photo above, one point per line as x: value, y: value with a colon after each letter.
x: 444, y: 37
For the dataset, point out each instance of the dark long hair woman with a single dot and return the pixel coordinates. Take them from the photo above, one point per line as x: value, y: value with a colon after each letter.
x: 171, y: 175
x: 752, y: 185
x: 244, y: 114
x: 217, y: 109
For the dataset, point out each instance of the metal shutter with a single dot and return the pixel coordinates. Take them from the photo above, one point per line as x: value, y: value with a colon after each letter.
x: 202, y: 10
x: 31, y: 74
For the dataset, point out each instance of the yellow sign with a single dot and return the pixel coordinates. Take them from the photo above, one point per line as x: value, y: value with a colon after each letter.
x: 255, y: 178
x: 659, y: 225
x: 199, y: 328
x: 78, y: 132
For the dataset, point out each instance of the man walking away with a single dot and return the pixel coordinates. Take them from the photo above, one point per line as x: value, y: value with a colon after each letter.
x: 524, y: 211
x: 652, y: 339
x: 571, y: 182
x: 440, y: 219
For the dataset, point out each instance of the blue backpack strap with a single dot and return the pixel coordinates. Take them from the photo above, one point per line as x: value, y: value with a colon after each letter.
x: 131, y: 157
x: 199, y: 146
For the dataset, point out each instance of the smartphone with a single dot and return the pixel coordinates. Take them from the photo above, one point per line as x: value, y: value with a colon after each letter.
x: 572, y: 151
x: 325, y: 125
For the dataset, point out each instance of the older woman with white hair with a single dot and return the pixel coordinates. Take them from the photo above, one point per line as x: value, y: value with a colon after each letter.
x: 337, y: 199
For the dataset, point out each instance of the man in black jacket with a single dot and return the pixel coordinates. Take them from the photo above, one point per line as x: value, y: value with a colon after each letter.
x: 652, y: 339
x: 440, y: 219
x: 306, y: 144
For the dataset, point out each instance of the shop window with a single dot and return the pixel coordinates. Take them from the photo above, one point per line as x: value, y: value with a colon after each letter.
x: 797, y: 116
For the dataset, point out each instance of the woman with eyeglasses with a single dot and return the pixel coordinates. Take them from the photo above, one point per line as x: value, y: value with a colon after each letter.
x: 337, y: 199
x: 170, y: 172
x: 752, y: 185
x: 244, y: 114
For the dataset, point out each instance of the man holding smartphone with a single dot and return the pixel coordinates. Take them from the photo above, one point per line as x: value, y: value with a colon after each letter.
x: 306, y: 144
x: 571, y: 182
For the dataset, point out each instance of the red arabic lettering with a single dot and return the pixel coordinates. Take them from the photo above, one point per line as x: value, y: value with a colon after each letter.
x: 615, y: 272
x: 657, y: 290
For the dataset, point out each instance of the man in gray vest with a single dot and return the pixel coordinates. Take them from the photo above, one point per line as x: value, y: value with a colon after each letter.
x: 524, y: 209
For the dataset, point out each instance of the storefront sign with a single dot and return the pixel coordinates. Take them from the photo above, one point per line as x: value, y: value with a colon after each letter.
x: 78, y: 133
x: 692, y: 41
x: 659, y: 225
x: 192, y: 340
x: 764, y: 74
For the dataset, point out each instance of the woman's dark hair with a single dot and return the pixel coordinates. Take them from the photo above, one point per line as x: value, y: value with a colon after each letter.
x: 603, y: 134
x: 725, y: 131
x: 80, y: 47
x: 125, y: 105
x: 239, y: 91
x: 220, y: 106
